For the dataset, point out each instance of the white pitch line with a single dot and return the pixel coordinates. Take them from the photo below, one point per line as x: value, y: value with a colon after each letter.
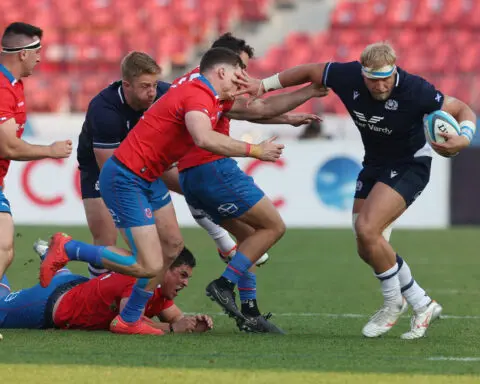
x: 342, y: 315
x: 453, y: 358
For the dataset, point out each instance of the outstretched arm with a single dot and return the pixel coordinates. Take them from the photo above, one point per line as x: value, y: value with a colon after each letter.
x: 295, y: 119
x: 300, y: 74
x: 245, y: 109
x: 200, y: 128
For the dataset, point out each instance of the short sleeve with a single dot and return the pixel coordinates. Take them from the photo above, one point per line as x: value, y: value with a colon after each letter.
x: 199, y: 100
x: 430, y: 98
x: 7, y: 104
x: 335, y: 74
x: 167, y: 304
x: 227, y: 105
x: 107, y: 126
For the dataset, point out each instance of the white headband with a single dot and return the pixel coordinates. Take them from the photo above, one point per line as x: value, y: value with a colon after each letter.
x: 379, y: 73
x: 29, y: 47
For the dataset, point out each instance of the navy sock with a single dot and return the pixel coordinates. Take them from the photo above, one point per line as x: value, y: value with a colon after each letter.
x: 76, y: 250
x: 247, y: 286
x: 4, y: 286
x: 135, y: 304
x: 237, y: 267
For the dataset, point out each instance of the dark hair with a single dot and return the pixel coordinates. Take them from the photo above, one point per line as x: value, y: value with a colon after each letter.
x: 19, y: 28
x: 227, y: 40
x: 184, y: 258
x: 216, y: 56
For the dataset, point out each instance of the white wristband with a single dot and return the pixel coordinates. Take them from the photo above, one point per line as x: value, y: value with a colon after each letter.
x: 271, y: 83
x: 467, y: 129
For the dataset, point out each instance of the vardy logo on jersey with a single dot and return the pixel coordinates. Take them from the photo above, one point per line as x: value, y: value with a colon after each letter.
x: 362, y: 122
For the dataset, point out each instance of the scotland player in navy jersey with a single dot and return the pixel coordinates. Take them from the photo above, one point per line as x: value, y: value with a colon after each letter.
x: 110, y: 116
x: 387, y: 105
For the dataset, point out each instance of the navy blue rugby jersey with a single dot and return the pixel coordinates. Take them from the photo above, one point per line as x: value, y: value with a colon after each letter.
x: 109, y: 119
x: 391, y: 130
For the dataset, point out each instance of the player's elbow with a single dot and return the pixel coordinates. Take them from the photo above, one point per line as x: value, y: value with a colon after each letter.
x: 7, y: 152
x: 202, y: 141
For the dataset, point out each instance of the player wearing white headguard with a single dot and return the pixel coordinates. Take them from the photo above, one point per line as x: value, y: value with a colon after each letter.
x: 387, y: 105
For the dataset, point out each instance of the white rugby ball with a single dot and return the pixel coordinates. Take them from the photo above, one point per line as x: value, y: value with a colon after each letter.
x: 439, y: 122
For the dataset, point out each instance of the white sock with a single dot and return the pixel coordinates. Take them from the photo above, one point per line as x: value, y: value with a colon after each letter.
x: 413, y: 293
x: 391, y: 287
x: 222, y: 238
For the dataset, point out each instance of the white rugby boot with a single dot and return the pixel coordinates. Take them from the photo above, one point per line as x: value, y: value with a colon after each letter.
x: 422, y: 320
x: 383, y: 320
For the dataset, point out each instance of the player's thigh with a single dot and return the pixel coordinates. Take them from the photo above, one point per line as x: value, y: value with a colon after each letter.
x: 168, y: 231
x: 6, y: 234
x: 264, y: 215
x: 100, y: 221
x: 382, y: 206
x: 146, y: 247
x: 238, y: 229
x: 171, y: 179
x: 126, y: 196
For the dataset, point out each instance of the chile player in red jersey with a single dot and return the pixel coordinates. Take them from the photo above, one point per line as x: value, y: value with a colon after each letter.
x: 74, y: 302
x: 184, y: 116
x: 240, y: 196
x: 21, y: 45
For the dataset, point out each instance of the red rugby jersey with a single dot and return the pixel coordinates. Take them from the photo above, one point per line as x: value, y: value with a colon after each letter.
x: 12, y: 106
x: 94, y: 304
x: 161, y: 137
x: 196, y: 155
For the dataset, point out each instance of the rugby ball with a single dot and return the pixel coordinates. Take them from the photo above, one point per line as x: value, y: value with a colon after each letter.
x: 439, y: 122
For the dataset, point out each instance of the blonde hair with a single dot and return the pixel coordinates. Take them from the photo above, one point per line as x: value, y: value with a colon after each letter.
x: 138, y: 63
x: 377, y: 55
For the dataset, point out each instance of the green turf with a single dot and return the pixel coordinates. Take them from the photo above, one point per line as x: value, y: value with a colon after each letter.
x: 312, y: 273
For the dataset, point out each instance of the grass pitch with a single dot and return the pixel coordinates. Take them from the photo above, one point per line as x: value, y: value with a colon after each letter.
x: 320, y: 293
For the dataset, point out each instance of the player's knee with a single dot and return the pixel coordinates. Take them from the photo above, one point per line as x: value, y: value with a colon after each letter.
x: 280, y: 228
x: 104, y: 238
x: 172, y: 249
x: 6, y: 254
x: 364, y: 230
x: 148, y: 270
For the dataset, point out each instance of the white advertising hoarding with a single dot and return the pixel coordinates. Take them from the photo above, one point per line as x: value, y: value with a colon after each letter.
x: 312, y: 186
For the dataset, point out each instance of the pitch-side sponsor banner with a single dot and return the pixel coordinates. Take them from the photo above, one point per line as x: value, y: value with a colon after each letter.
x: 312, y: 185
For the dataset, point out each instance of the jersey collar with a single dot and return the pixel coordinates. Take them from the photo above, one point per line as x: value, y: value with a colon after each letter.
x: 204, y: 80
x: 121, y: 94
x: 397, y: 79
x: 7, y: 74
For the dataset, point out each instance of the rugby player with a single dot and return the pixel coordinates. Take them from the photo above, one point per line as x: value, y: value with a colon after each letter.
x: 212, y: 182
x: 21, y: 46
x: 75, y: 302
x: 387, y: 105
x: 110, y: 116
x: 184, y: 116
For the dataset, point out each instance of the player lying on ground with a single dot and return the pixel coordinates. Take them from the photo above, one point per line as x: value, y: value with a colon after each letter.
x: 387, y: 105
x: 110, y: 116
x: 75, y: 302
x: 184, y: 116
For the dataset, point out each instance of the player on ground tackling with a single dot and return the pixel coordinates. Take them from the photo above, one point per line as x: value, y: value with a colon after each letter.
x: 75, y: 302
x: 387, y: 105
